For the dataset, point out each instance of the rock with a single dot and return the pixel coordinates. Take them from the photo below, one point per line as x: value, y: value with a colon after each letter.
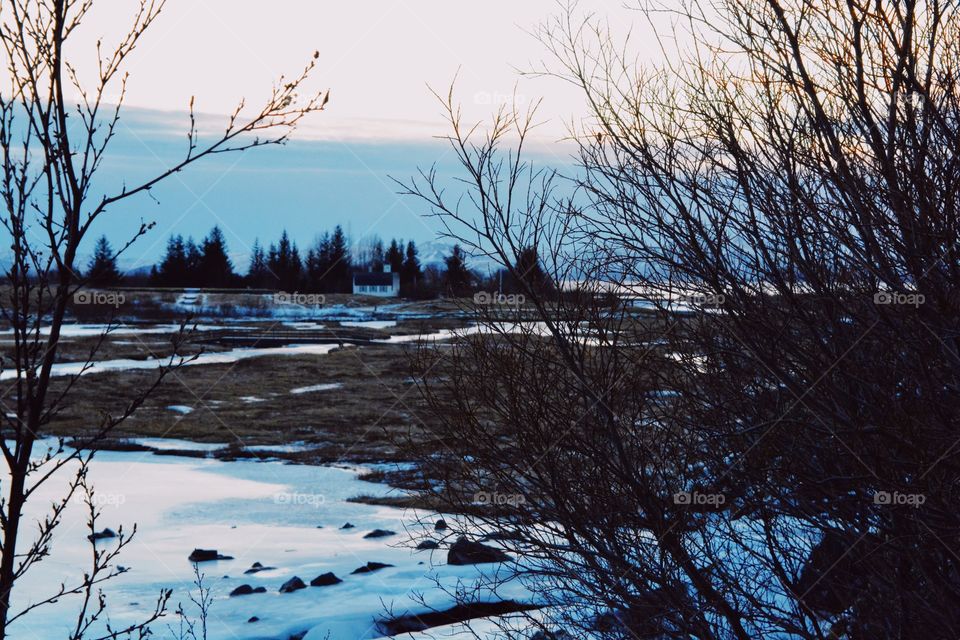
x: 101, y: 535
x: 291, y: 585
x: 460, y: 613
x: 256, y: 567
x: 348, y: 526
x: 428, y: 544
x: 206, y: 555
x: 370, y: 567
x: 464, y: 551
x: 380, y: 533
x: 245, y: 590
x: 831, y: 579
x: 441, y: 525
x: 325, y: 580
x: 253, y: 619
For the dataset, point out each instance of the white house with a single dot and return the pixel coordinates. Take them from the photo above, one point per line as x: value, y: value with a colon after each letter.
x: 385, y: 285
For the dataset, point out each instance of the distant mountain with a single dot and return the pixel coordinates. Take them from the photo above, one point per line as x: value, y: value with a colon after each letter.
x: 434, y: 251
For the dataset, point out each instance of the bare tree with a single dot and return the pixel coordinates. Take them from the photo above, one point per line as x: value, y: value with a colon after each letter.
x: 53, y: 149
x: 740, y: 419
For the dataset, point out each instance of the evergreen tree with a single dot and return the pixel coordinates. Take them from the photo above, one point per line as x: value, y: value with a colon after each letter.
x: 103, y: 270
x: 215, y: 267
x: 394, y: 256
x: 283, y: 261
x: 173, y: 267
x: 529, y: 271
x: 376, y: 256
x: 410, y: 271
x: 317, y: 265
x: 258, y: 275
x: 341, y: 280
x: 191, y: 276
x: 457, y: 279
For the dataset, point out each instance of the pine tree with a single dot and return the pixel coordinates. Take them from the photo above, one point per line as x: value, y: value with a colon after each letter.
x: 258, y: 274
x: 173, y: 267
x: 457, y: 279
x: 410, y: 274
x: 394, y: 256
x: 340, y: 262
x: 191, y: 275
x: 215, y: 267
x: 376, y: 256
x: 284, y: 264
x: 103, y: 270
x: 529, y: 271
x: 317, y: 265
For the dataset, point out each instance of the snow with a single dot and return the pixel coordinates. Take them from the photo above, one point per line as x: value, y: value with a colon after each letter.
x: 369, y: 324
x: 264, y: 512
x: 232, y: 355
x: 303, y: 326
x: 292, y: 447
x: 317, y: 387
x: 69, y: 330
x: 221, y: 357
x: 180, y: 408
x: 174, y: 444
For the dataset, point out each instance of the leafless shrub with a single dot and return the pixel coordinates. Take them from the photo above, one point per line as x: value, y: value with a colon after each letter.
x: 726, y: 424
x: 52, y: 151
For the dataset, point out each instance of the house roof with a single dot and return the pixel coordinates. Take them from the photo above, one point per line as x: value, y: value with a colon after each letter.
x: 373, y: 279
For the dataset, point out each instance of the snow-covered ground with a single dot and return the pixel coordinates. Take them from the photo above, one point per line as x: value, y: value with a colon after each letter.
x: 221, y: 357
x: 70, y: 330
x: 369, y: 324
x: 283, y: 516
x: 329, y: 386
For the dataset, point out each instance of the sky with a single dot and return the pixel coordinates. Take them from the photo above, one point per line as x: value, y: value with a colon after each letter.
x: 381, y: 61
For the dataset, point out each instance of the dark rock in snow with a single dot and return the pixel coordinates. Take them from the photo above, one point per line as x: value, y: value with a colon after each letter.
x: 441, y: 525
x: 325, y: 580
x: 101, y: 535
x: 206, y: 555
x: 348, y: 526
x: 380, y: 533
x: 291, y: 585
x: 256, y: 567
x: 453, y: 615
x: 428, y: 544
x: 245, y: 590
x: 253, y: 619
x: 370, y: 567
x: 464, y: 551
x: 830, y: 580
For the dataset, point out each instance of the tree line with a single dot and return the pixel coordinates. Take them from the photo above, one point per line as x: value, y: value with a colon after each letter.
x: 327, y: 267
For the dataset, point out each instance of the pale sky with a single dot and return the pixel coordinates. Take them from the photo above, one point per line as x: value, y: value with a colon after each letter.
x: 379, y: 59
